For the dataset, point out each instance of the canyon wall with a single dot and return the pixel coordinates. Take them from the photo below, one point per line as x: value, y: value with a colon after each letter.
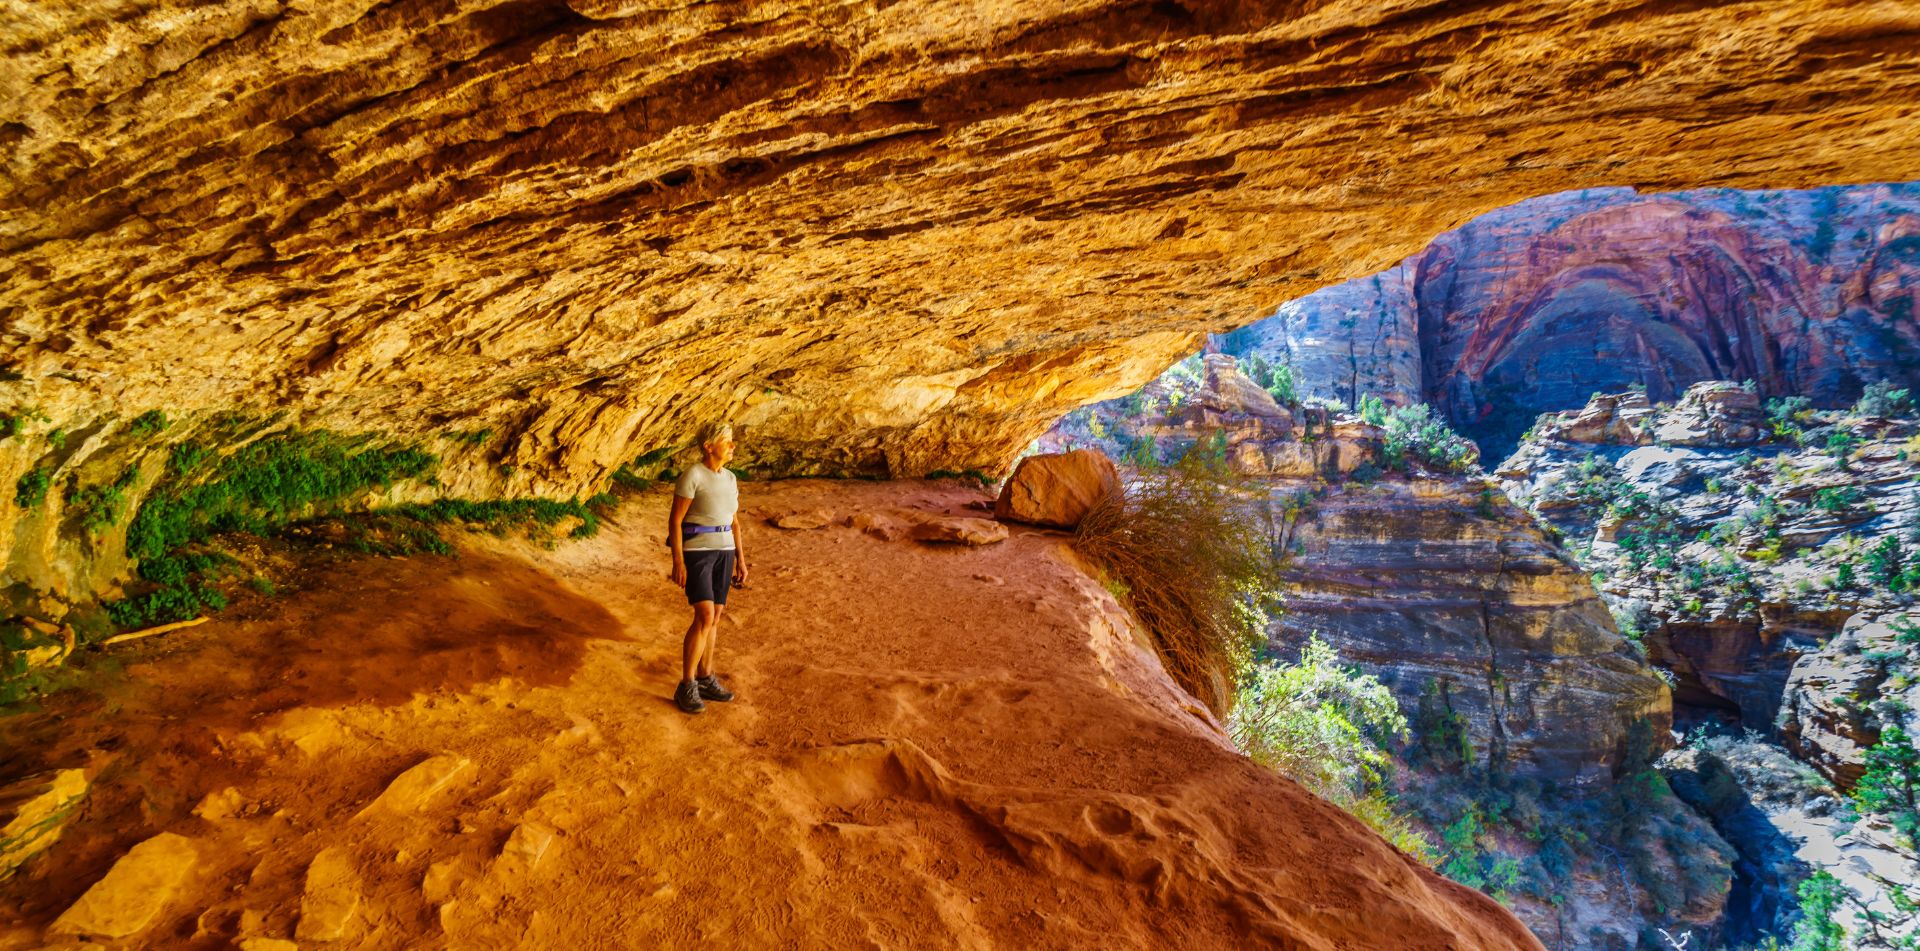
x: 1533, y: 307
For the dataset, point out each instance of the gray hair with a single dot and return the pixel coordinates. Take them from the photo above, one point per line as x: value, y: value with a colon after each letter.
x: 713, y: 432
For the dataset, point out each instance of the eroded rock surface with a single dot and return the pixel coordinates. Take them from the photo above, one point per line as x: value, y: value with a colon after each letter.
x: 898, y: 236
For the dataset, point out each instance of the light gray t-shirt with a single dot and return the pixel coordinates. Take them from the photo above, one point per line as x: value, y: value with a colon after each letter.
x: 716, y: 496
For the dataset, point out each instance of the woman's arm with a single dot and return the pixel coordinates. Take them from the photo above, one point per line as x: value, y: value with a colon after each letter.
x: 739, y: 552
x: 674, y: 518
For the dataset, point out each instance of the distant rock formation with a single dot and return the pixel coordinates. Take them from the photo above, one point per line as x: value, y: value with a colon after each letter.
x: 1533, y: 307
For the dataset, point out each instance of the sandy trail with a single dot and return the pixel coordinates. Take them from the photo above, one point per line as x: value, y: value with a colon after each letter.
x: 933, y: 747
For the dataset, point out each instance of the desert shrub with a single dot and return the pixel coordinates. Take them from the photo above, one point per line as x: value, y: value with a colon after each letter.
x: 1374, y: 410
x: 146, y: 424
x: 1325, y: 725
x: 1840, y: 445
x: 1201, y: 572
x: 1416, y: 434
x: 31, y: 488
x: 1282, y: 387
x: 1883, y: 399
x: 1838, y: 498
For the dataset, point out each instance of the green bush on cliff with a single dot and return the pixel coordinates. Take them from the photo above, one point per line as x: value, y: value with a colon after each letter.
x: 1202, y: 574
x: 1890, y: 786
x: 1328, y: 727
x: 31, y: 488
x: 1884, y: 400
x: 1416, y: 434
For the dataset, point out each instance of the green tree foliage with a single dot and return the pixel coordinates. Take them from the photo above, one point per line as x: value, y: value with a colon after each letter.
x: 1818, y: 930
x: 1883, y: 399
x: 1374, y: 410
x: 1328, y: 727
x: 1417, y: 435
x: 1840, y: 445
x: 1890, y: 786
x: 1321, y: 723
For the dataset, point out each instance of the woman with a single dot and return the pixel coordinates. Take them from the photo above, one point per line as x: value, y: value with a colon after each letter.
x: 704, y: 531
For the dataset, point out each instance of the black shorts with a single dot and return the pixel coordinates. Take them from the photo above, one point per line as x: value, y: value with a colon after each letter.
x: 709, y: 575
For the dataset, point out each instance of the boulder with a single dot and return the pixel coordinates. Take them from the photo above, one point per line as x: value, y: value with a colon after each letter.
x: 133, y: 892
x: 1225, y: 389
x: 424, y: 783
x: 1057, y: 490
x: 1614, y: 418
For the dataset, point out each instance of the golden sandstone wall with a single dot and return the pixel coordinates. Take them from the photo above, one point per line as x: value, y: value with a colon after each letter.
x: 882, y: 236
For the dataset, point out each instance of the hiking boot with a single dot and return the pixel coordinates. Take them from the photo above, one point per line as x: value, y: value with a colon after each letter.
x: 687, y: 697
x: 711, y: 689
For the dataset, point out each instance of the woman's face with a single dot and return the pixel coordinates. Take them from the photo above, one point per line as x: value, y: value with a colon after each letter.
x: 722, y: 447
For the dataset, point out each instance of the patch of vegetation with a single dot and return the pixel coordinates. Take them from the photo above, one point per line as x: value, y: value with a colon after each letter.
x: 468, y: 437
x: 1328, y: 727
x: 1838, y: 498
x: 1416, y: 434
x: 258, y: 489
x: 31, y: 488
x: 1882, y: 399
x: 1890, y: 786
x: 1787, y: 415
x: 149, y: 423
x: 1202, y: 578
x: 98, y: 507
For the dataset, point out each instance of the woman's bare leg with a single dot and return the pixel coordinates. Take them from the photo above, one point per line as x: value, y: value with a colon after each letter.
x: 695, y: 650
x: 712, y: 640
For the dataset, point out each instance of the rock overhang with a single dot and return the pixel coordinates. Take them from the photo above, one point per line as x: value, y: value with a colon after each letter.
x: 881, y: 237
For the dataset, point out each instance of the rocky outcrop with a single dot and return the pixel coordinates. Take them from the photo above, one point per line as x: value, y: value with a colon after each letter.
x: 1439, y: 585
x: 891, y: 237
x: 1530, y: 308
x: 1733, y: 557
x: 1838, y: 698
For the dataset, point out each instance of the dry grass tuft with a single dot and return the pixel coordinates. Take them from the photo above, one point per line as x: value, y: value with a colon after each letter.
x: 1188, y: 545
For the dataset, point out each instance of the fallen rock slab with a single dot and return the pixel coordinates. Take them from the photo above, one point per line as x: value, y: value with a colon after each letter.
x: 331, y: 898
x: 134, y: 891
x: 800, y: 521
x: 46, y: 803
x: 1057, y: 489
x: 423, y: 783
x: 960, y: 531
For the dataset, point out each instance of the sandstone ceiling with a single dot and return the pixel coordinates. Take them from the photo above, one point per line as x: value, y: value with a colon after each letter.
x: 880, y: 235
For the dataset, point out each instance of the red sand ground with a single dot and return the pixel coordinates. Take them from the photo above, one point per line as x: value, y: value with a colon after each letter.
x: 933, y: 747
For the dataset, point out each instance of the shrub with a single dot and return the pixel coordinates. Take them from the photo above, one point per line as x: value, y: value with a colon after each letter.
x: 1325, y: 725
x: 1283, y: 389
x: 149, y: 423
x: 1882, y: 399
x: 31, y: 488
x: 1200, y: 571
x: 1374, y: 410
x: 1417, y: 434
x: 1840, y: 445
x: 1839, y: 498
x: 1890, y: 785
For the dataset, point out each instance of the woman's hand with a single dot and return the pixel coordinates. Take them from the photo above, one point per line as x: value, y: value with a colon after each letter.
x: 740, y: 572
x: 679, y: 573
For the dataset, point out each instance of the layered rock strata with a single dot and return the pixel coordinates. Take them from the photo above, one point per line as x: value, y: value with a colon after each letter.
x: 1734, y: 552
x: 1433, y: 581
x: 883, y: 237
x: 1532, y: 307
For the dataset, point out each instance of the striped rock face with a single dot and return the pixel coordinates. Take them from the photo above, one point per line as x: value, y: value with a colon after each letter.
x: 878, y: 236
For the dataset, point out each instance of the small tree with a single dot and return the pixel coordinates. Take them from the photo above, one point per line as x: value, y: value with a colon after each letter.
x: 1817, y: 930
x: 1891, y: 784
